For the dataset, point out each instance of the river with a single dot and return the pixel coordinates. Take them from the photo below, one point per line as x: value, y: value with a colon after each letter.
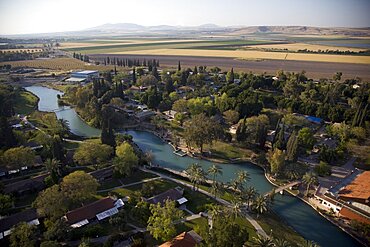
x: 305, y: 220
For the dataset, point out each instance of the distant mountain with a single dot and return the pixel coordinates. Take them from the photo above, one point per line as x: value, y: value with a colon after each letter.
x: 205, y: 30
x: 117, y: 26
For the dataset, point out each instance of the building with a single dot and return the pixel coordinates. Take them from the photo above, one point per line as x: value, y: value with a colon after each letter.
x: 170, y: 115
x: 349, y: 198
x: 185, y: 239
x: 98, y: 210
x: 358, y: 190
x: 83, y: 76
x: 144, y: 115
x: 27, y: 185
x: 29, y: 216
x: 103, y: 174
x: 175, y: 194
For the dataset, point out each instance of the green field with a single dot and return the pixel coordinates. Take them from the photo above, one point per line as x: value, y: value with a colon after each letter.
x: 25, y: 103
x: 204, y: 44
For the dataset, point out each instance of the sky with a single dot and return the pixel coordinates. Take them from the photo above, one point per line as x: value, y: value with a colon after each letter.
x: 42, y: 16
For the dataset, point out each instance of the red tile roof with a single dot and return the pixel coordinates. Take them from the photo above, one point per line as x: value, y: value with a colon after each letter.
x: 349, y: 214
x: 358, y: 189
x: 185, y: 239
x: 89, y: 211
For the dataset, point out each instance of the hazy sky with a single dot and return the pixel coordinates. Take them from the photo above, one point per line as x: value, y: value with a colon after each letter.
x: 37, y: 16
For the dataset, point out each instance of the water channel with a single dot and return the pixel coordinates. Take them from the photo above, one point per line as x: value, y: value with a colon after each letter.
x: 305, y: 220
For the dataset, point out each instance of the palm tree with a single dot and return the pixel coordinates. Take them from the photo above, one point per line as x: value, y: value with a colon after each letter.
x: 309, y: 243
x: 261, y: 241
x: 215, y: 170
x: 242, y: 177
x: 309, y: 178
x: 53, y: 166
x: 235, y: 209
x: 217, y: 188
x: 260, y: 205
x: 62, y: 127
x: 280, y: 242
x: 248, y: 195
x: 196, y: 174
x: 148, y: 156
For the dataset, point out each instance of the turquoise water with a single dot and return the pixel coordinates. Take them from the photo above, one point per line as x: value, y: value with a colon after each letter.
x: 49, y: 103
x: 296, y: 213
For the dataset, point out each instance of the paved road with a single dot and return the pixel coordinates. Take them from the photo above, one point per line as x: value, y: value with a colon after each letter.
x: 220, y: 200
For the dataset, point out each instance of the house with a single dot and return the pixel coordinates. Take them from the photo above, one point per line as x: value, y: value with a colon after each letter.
x: 185, y: 239
x: 143, y: 115
x: 83, y: 76
x: 103, y: 174
x: 33, y: 145
x: 29, y: 216
x: 27, y: 185
x: 175, y: 194
x: 358, y: 190
x: 97, y: 210
x: 170, y: 115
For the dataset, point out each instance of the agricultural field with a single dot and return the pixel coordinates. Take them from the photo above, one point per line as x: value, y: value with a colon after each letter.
x: 27, y: 50
x: 301, y: 46
x: 254, y: 55
x: 163, y: 44
x: 65, y: 64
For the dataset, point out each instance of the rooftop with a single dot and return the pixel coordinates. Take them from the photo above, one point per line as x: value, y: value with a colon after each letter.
x: 185, y: 239
x: 172, y: 194
x: 24, y: 216
x: 359, y: 188
x: 86, y: 72
x: 89, y: 211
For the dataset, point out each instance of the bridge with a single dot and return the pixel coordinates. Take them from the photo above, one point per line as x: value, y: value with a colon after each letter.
x: 283, y: 187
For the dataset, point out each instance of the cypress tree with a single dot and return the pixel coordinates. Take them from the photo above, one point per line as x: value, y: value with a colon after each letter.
x: 292, y: 147
x: 279, y: 139
x: 195, y: 72
x: 134, y: 75
x: 179, y: 66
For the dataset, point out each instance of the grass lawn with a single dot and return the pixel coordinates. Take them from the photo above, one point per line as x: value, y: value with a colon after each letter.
x: 71, y: 145
x: 111, y: 183
x: 228, y: 151
x: 25, y: 200
x: 26, y: 103
x: 270, y: 222
x: 137, y: 176
x: 197, y: 202
x: 43, y: 120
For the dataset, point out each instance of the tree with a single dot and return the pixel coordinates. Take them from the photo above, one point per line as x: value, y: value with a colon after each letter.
x: 119, y: 220
x: 231, y: 116
x: 133, y: 75
x: 214, y: 170
x: 196, y: 174
x: 260, y: 205
x: 261, y: 241
x: 230, y: 76
x: 7, y: 138
x: 56, y: 230
x: 292, y: 147
x: 179, y: 66
x: 49, y: 243
x: 79, y: 186
x: 51, y: 203
x: 279, y: 139
x: 224, y: 231
x: 309, y: 178
x: 276, y: 159
x: 248, y: 194
x: 54, y: 168
x: 201, y: 130
x: 6, y: 202
x: 323, y: 169
x: 23, y: 235
x: 18, y: 157
x: 161, y: 224
x: 309, y: 243
x: 235, y: 209
x: 126, y: 159
x: 90, y: 153
x: 306, y: 138
x: 280, y: 242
